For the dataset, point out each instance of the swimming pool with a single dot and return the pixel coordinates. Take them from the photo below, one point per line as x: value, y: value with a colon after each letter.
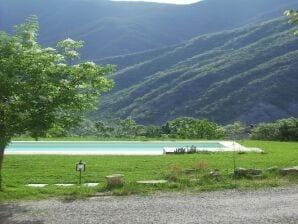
x: 91, y: 147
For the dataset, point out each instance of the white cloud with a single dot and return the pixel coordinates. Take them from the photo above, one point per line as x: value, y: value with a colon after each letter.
x: 180, y: 2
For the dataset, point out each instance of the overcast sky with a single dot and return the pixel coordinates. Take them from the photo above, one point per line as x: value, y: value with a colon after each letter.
x: 166, y: 1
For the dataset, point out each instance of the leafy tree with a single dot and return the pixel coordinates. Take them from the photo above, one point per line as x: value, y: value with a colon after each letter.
x: 265, y: 131
x: 182, y: 127
x: 165, y: 129
x: 281, y: 130
x: 153, y: 131
x: 128, y: 128
x: 293, y: 17
x: 101, y: 128
x: 235, y: 130
x: 41, y: 88
x: 187, y: 127
x: 288, y: 129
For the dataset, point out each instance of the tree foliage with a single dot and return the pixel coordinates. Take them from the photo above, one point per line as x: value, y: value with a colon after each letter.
x: 191, y: 128
x: 293, y: 17
x: 281, y: 130
x: 235, y: 130
x: 183, y: 128
x: 41, y: 88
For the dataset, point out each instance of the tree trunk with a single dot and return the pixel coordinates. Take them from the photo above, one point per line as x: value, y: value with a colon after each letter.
x: 2, y: 148
x: 3, y: 144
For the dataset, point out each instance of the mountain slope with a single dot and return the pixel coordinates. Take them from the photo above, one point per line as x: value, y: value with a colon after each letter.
x: 117, y: 28
x: 248, y: 74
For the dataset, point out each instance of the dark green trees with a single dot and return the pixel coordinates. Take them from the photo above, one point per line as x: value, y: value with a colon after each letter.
x: 281, y: 130
x: 191, y: 128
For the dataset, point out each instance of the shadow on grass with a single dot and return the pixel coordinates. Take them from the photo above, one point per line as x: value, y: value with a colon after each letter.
x: 7, y: 212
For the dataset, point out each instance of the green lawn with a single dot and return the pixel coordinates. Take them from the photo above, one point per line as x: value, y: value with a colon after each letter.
x: 19, y: 170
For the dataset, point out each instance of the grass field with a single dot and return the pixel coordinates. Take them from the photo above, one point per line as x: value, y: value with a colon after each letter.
x: 19, y: 170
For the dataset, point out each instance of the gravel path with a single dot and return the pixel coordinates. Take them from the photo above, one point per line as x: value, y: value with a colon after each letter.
x: 277, y: 205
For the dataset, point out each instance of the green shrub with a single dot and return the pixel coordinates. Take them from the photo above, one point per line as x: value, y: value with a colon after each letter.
x: 281, y: 130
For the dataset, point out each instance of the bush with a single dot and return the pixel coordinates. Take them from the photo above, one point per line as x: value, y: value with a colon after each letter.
x: 281, y: 130
x: 191, y: 128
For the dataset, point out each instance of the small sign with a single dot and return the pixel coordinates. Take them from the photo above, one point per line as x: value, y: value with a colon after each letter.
x: 81, y: 166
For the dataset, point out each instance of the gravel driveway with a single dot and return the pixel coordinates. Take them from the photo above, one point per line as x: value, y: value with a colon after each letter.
x: 277, y: 205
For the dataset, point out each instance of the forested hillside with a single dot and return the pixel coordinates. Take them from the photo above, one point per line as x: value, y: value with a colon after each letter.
x: 116, y: 28
x: 247, y: 74
x: 215, y: 59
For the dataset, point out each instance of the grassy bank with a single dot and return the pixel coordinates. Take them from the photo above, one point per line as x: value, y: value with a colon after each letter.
x: 19, y: 170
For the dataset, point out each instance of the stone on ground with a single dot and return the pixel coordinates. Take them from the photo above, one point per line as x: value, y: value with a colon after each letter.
x: 90, y: 184
x: 287, y: 171
x: 243, y: 172
x: 36, y: 185
x: 152, y: 181
x: 115, y: 179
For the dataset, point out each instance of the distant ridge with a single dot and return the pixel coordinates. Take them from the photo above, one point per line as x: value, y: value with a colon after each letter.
x: 117, y: 28
x: 215, y: 59
x: 247, y: 74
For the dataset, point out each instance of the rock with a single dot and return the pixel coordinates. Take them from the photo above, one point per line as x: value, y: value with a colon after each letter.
x: 289, y: 171
x: 115, y: 180
x: 243, y: 172
x: 214, y: 173
x: 90, y: 184
x: 36, y: 185
x: 153, y: 182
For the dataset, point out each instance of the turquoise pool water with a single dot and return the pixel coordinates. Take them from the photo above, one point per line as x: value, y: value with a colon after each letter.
x: 103, y: 146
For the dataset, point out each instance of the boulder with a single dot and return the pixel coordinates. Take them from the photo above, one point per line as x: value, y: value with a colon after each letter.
x: 90, y: 184
x: 289, y: 171
x: 215, y: 174
x: 36, y: 185
x: 152, y: 182
x: 243, y: 172
x: 115, y: 180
